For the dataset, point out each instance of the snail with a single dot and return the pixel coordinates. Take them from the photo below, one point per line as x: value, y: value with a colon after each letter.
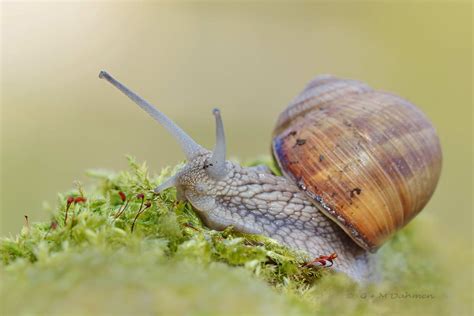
x: 358, y: 164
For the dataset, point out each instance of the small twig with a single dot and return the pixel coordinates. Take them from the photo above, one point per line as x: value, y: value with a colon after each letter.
x: 124, y: 205
x: 189, y: 225
x: 27, y: 223
x: 121, y: 211
x: 140, y: 211
x: 53, y: 226
x: 70, y: 200
x: 77, y: 200
x: 139, y: 196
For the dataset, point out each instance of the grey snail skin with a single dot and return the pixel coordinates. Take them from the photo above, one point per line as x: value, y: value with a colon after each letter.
x: 357, y: 164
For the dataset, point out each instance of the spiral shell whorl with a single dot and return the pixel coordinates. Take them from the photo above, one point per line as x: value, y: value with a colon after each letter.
x: 370, y: 160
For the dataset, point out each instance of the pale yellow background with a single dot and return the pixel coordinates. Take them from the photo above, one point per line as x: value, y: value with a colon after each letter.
x: 250, y: 59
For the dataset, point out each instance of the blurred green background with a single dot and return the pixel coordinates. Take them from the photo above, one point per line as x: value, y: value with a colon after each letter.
x: 250, y: 59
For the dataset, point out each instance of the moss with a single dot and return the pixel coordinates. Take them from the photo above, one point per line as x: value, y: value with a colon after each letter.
x: 92, y: 263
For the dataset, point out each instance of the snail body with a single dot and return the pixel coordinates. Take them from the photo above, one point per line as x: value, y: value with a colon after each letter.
x: 335, y: 171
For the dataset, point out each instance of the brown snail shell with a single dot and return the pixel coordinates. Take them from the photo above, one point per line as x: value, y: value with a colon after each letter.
x: 370, y: 160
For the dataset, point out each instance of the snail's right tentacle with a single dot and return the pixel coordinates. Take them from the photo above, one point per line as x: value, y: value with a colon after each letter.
x: 217, y: 167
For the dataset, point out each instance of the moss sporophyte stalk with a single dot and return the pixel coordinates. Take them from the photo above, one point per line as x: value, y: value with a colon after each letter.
x: 120, y: 226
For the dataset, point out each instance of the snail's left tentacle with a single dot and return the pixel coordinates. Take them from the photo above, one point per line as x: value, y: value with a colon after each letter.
x: 188, y: 145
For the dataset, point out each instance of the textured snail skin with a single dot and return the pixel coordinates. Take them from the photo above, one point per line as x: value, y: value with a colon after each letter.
x: 260, y: 203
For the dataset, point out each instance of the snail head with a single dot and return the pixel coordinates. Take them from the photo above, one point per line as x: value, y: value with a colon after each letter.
x: 203, y: 166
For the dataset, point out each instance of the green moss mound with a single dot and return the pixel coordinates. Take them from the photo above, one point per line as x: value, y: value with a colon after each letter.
x: 88, y: 261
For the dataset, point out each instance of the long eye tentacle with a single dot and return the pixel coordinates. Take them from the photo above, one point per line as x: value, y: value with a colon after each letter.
x: 217, y: 168
x: 188, y: 145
